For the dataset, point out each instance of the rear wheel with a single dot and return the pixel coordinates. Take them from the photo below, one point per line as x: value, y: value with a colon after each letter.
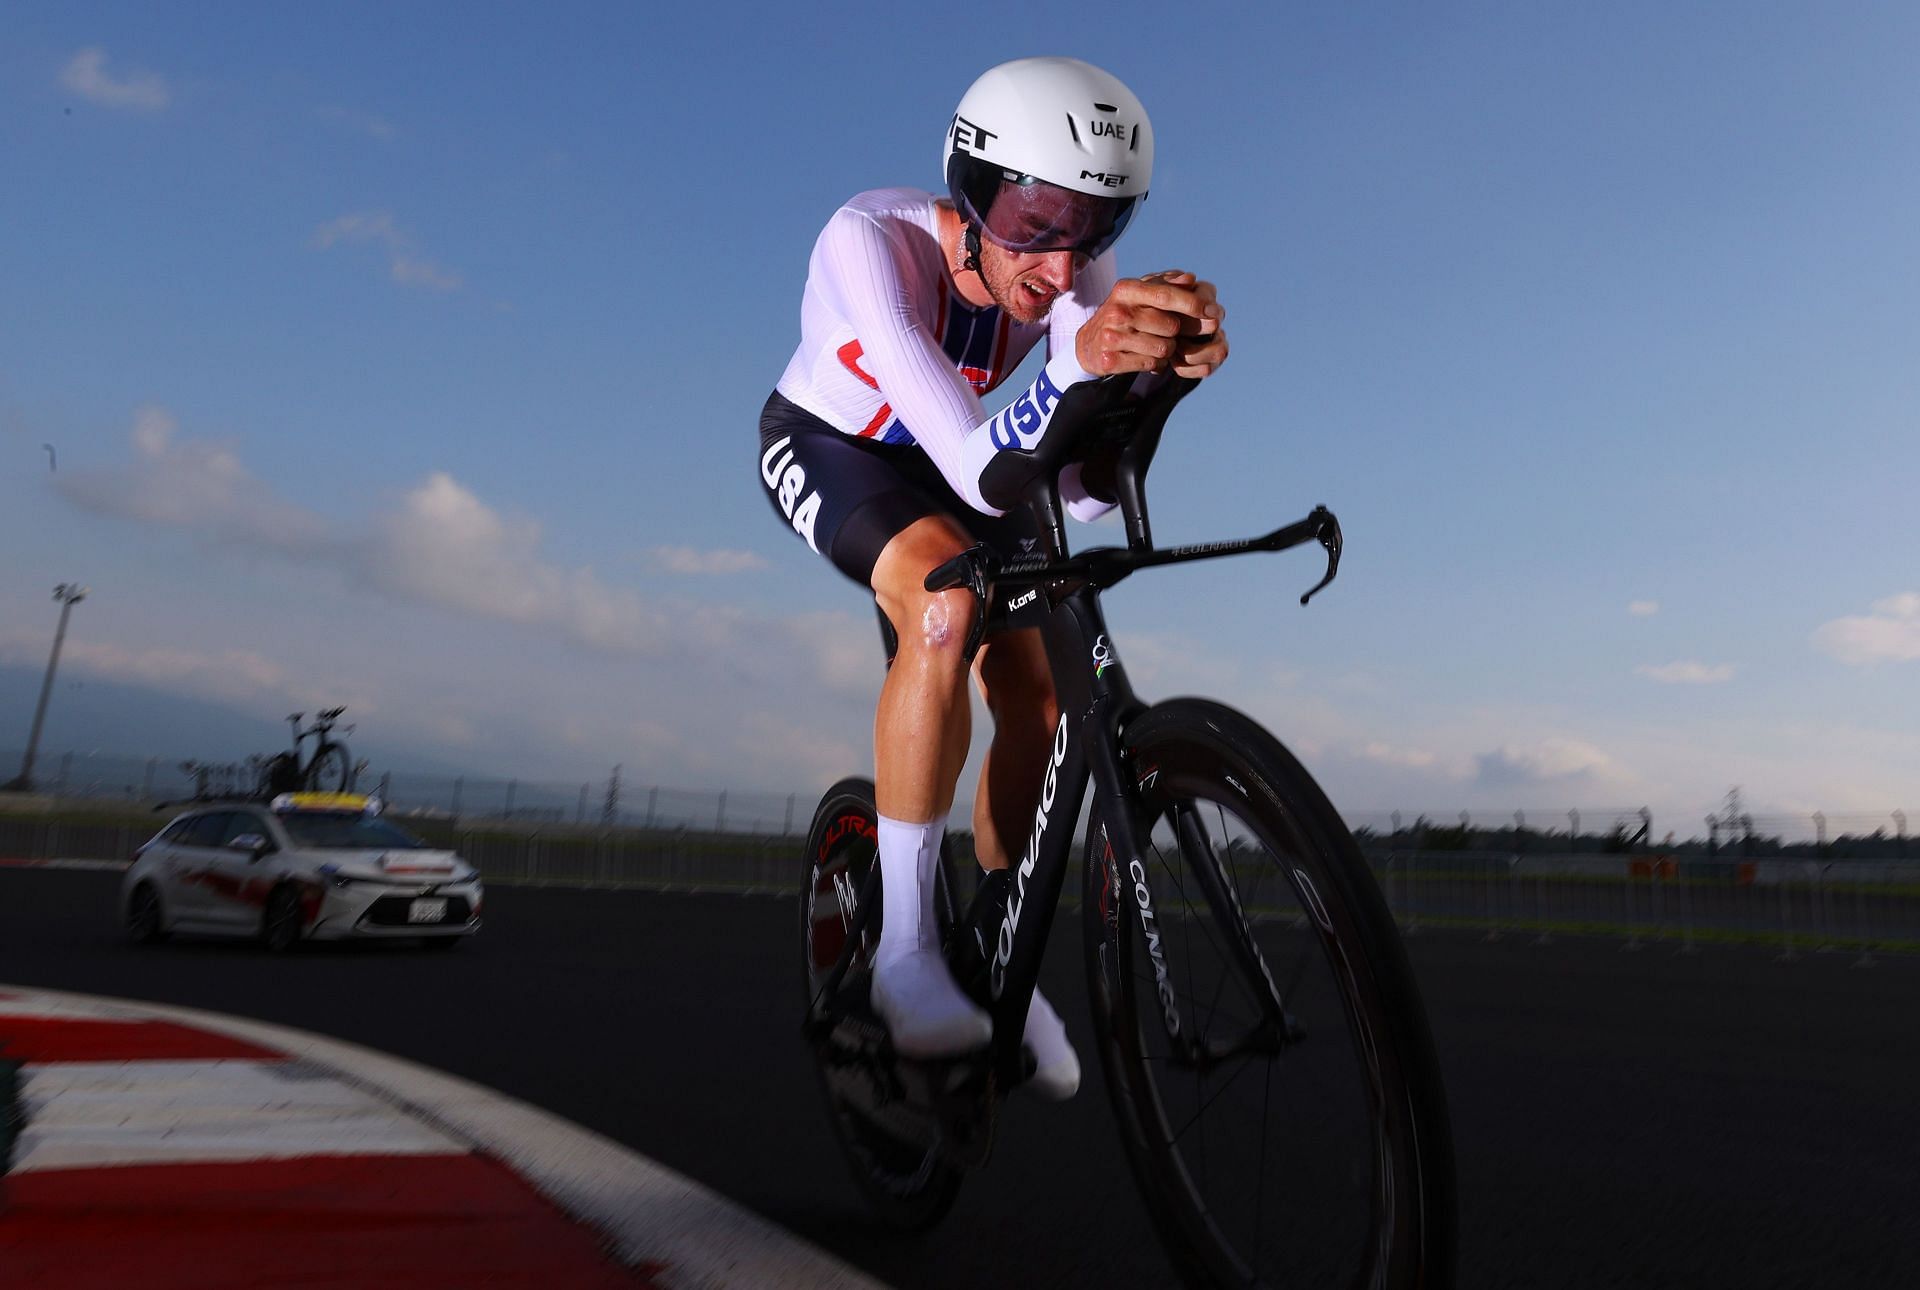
x: 282, y: 920
x: 1265, y: 1047
x: 145, y: 925
x: 908, y: 1182
x: 331, y: 770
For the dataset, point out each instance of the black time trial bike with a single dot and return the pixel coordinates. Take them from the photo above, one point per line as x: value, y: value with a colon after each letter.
x: 330, y: 769
x: 1262, y: 1039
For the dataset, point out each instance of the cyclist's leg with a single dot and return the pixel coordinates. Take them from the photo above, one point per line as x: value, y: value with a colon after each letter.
x: 1017, y: 685
x: 921, y: 731
x: 878, y: 512
x: 924, y: 719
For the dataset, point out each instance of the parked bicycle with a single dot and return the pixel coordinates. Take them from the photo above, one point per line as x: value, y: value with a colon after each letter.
x: 331, y: 768
x: 1264, y: 1045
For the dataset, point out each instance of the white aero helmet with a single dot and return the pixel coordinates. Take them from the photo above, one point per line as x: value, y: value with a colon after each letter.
x: 1048, y: 154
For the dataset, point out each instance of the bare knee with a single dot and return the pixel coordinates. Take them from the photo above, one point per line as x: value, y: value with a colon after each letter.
x: 933, y: 626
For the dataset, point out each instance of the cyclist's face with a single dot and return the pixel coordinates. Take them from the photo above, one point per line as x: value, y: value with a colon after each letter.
x: 1027, y: 285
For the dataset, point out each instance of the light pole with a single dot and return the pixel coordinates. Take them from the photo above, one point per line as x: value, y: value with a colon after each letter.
x: 68, y: 594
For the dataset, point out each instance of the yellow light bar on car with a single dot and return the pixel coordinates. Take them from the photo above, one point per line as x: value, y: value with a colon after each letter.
x: 354, y: 802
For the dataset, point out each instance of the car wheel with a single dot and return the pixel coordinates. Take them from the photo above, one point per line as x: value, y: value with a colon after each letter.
x: 280, y: 923
x: 145, y: 925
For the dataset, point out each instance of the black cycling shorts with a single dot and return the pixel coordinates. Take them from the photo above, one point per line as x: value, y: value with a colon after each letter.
x: 847, y: 496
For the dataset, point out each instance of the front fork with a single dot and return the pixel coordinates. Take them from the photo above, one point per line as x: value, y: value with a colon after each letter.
x: 1127, y: 825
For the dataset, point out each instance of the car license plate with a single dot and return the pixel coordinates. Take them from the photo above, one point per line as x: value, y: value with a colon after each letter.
x: 427, y: 910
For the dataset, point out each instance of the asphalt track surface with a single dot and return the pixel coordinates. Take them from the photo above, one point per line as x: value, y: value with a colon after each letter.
x: 1622, y: 1118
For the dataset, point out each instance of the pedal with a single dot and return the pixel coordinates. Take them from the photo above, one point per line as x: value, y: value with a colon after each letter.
x: 958, y: 1094
x: 946, y: 1105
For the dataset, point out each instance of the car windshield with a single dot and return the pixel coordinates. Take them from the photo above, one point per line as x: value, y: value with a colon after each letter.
x: 339, y: 831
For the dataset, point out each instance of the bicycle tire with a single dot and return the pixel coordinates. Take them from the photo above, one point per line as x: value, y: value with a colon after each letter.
x: 331, y: 770
x: 1229, y: 1210
x: 909, y: 1185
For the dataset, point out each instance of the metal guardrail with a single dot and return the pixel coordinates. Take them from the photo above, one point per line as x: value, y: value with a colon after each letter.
x: 30, y: 838
x: 611, y: 801
x: 1796, y: 905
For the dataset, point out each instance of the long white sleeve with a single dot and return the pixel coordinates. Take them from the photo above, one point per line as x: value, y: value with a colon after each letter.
x: 882, y: 354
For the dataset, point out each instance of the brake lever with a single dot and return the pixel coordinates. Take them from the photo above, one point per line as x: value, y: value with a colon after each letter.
x: 1328, y: 534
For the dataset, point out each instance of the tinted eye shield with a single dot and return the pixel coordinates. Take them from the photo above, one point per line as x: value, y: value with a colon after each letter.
x: 1031, y: 216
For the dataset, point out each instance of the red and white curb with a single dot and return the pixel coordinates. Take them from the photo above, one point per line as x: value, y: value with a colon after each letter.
x: 170, y: 1146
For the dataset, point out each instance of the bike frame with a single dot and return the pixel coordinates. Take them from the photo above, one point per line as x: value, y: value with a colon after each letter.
x: 1060, y: 594
x: 1095, y: 701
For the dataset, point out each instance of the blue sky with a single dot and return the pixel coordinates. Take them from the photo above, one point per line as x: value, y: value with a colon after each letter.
x: 409, y: 356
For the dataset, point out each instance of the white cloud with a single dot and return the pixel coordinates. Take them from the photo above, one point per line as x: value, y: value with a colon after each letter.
x: 410, y: 271
x: 448, y: 548
x: 377, y: 228
x: 368, y: 226
x: 1890, y: 633
x: 442, y: 545
x: 1554, y: 760
x: 1643, y: 608
x: 687, y: 560
x: 364, y: 122
x: 771, y: 747
x: 232, y: 674
x: 195, y: 484
x: 1686, y: 672
x: 86, y: 75
x: 1408, y: 758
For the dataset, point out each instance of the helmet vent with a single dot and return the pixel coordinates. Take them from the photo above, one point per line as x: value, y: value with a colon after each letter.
x: 1106, y: 107
x: 1073, y: 128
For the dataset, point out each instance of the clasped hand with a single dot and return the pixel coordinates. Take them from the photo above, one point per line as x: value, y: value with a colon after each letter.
x: 1167, y: 321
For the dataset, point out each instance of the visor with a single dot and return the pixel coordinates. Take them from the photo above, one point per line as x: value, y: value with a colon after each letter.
x: 1031, y: 216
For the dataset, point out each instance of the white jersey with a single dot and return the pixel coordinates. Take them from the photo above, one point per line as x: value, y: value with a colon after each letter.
x: 890, y: 351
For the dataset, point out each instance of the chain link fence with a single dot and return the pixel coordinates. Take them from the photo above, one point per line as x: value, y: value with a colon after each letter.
x: 1796, y: 906
x: 614, y: 802
x: 608, y: 803
x: 1819, y: 883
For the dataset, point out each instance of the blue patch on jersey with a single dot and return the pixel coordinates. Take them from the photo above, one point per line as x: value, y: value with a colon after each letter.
x: 969, y: 342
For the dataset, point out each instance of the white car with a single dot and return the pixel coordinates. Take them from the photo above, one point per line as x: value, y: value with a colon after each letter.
x: 319, y: 866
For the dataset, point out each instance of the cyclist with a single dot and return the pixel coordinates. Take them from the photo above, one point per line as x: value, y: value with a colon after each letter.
x: 873, y: 444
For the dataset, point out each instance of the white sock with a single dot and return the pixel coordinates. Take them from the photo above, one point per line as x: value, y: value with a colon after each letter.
x: 909, y: 855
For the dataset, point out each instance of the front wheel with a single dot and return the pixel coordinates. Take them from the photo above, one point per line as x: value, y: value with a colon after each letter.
x: 1264, y: 1044
x: 908, y: 1181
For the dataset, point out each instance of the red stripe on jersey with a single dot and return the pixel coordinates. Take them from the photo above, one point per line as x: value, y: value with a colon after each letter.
x: 849, y: 355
